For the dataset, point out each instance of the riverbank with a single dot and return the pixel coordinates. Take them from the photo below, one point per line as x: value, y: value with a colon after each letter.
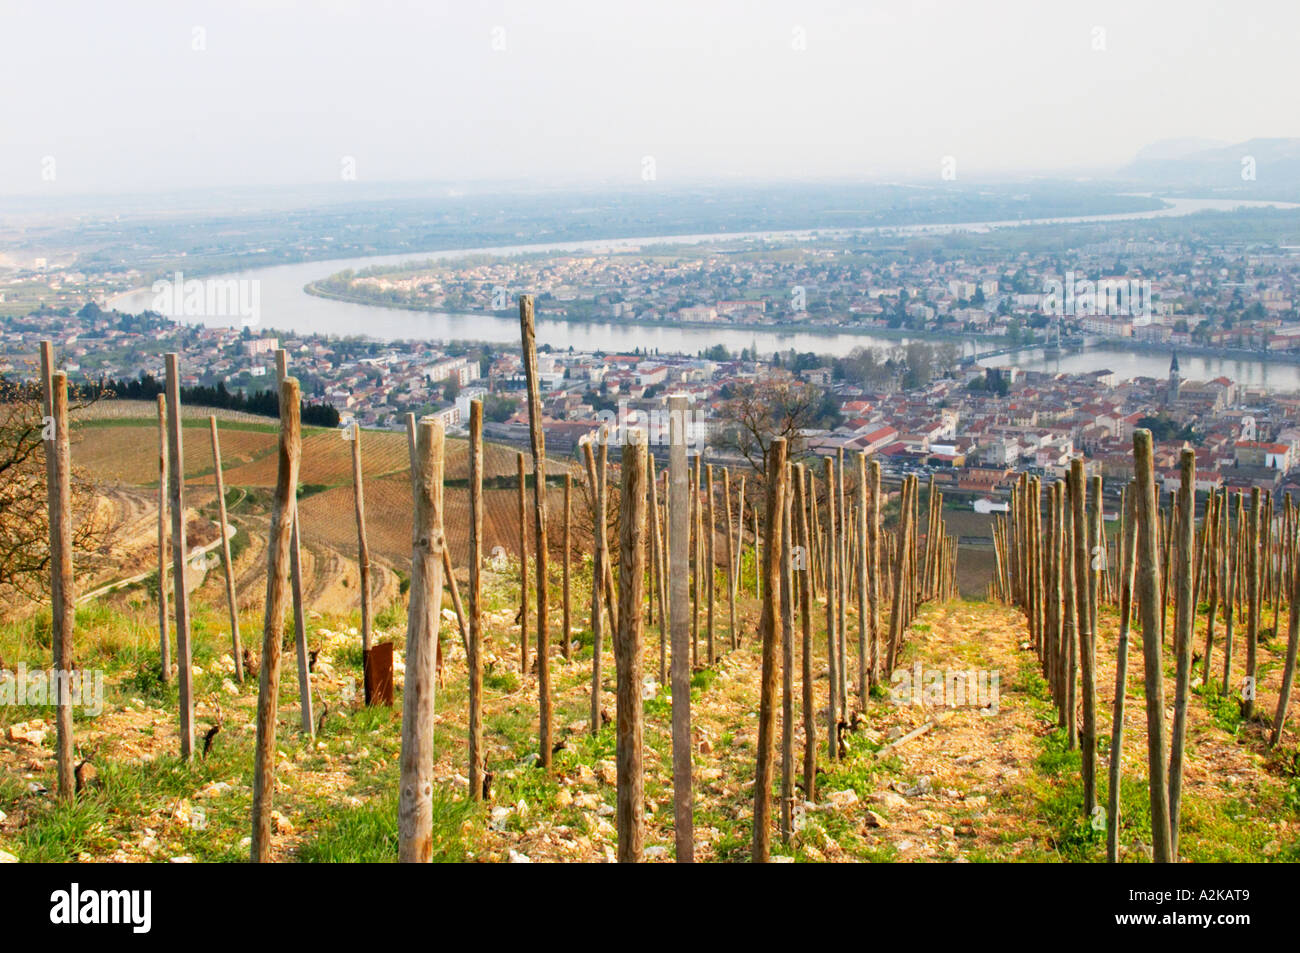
x: 900, y: 334
x: 1263, y: 356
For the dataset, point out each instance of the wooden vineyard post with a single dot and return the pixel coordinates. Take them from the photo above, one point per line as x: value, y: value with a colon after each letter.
x: 567, y: 640
x: 1070, y: 670
x: 731, y: 557
x: 896, y: 612
x: 1265, y: 557
x: 523, y: 564
x: 1052, y: 624
x: 768, y: 634
x: 1040, y: 601
x: 832, y: 640
x: 1033, y: 604
x: 873, y: 571
x: 678, y: 587
x: 611, y: 595
x: 740, y: 545
x: 58, y: 471
x: 1213, y: 508
x: 181, y: 597
x: 1151, y: 607
x: 863, y: 569
x: 709, y: 555
x: 697, y: 560
x: 363, y: 547
x: 597, y: 573
x: 1231, y: 571
x: 1127, y: 570
x: 802, y: 482
x: 842, y: 584
x: 415, y: 788
x: 1275, y: 564
x: 164, y: 641
x: 628, y: 646
x: 1184, y: 623
x: 268, y: 690
x: 602, y: 544
x: 657, y: 561
x: 1292, y: 643
x: 1252, y: 606
x: 930, y: 520
x: 693, y: 563
x: 474, y: 650
x: 816, y: 558
x: 295, y: 585
x: 787, y: 664
x: 537, y: 440
x: 913, y: 590
x: 231, y: 600
x: 1087, y: 652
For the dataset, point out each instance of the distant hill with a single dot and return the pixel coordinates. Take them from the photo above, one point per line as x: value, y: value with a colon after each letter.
x: 1206, y: 163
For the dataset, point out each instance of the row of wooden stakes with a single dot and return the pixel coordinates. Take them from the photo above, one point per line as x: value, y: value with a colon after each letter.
x: 1053, y: 561
x: 830, y: 547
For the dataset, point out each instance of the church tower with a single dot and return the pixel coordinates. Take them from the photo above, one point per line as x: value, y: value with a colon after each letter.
x: 1175, y: 381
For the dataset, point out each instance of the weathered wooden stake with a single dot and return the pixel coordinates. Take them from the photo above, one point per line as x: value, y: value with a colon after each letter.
x: 1252, y: 607
x: 802, y: 494
x: 657, y: 560
x: 415, y: 788
x: 628, y: 646
x: 363, y: 547
x: 731, y: 558
x: 1288, y: 670
x: 58, y: 470
x: 679, y: 532
x: 180, y: 595
x: 1151, y: 606
x: 709, y: 556
x: 1128, y: 569
x: 268, y: 693
x: 523, y: 563
x: 1087, y: 647
x: 568, y: 516
x: 787, y: 664
x: 231, y: 601
x: 768, y: 633
x: 164, y: 639
x: 1184, y: 622
x: 832, y: 640
x: 306, y: 721
x: 474, y: 650
x: 537, y: 439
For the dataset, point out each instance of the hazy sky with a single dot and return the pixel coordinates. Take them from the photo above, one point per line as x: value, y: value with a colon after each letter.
x: 573, y: 93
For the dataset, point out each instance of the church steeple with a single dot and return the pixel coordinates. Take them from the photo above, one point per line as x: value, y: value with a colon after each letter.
x: 1175, y: 380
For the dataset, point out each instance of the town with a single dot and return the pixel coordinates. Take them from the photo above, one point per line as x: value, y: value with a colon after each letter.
x: 917, y: 408
x: 1191, y: 290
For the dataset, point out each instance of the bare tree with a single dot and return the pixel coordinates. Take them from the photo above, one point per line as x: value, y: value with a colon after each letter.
x: 760, y: 411
x: 24, y: 518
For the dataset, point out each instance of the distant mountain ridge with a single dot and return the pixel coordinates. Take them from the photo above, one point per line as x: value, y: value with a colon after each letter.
x: 1264, y: 163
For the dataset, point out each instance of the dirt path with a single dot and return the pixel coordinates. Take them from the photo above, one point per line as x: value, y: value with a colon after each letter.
x: 953, y: 792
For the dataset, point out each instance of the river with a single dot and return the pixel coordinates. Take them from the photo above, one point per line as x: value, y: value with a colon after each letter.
x: 285, y: 306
